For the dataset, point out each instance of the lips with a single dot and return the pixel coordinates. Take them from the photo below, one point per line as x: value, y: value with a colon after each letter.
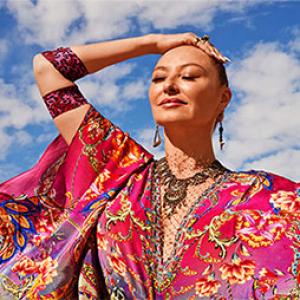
x: 172, y: 100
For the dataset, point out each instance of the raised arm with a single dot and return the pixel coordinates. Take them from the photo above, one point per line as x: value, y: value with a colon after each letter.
x: 59, y: 69
x: 94, y: 57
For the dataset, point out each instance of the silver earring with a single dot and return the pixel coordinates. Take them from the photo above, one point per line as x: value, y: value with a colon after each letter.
x: 157, y: 138
x: 221, y: 142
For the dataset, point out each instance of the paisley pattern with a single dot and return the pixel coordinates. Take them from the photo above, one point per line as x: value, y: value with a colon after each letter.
x: 84, y: 223
x: 16, y: 224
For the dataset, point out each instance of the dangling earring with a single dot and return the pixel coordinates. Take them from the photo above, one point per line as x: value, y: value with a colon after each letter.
x: 221, y: 135
x: 157, y: 138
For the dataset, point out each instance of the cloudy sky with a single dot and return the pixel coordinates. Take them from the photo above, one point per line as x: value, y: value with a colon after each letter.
x: 262, y: 123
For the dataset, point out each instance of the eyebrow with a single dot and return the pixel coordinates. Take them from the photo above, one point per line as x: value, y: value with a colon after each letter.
x: 181, y: 67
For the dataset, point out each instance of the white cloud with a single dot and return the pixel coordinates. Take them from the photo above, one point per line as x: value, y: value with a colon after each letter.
x: 22, y: 137
x: 145, y: 138
x: 266, y: 119
x: 294, y: 44
x: 75, y: 22
x: 16, y: 109
x: 20, y: 106
x: 104, y: 88
x: 8, y: 170
x: 45, y: 137
x: 3, y: 49
x: 104, y: 19
x: 135, y: 90
x: 5, y: 142
x: 277, y: 163
x: 46, y: 22
x: 170, y: 14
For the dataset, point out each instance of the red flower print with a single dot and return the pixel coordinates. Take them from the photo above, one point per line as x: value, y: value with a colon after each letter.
x: 45, y: 271
x: 207, y: 286
x: 44, y: 225
x: 267, y: 279
x: 45, y: 268
x: 238, y: 271
x: 116, y: 262
x: 287, y: 202
x: 25, y: 266
x: 101, y: 241
x: 95, y: 131
x: 48, y: 269
x: 98, y: 186
x: 259, y: 229
x: 298, y: 274
x: 126, y: 149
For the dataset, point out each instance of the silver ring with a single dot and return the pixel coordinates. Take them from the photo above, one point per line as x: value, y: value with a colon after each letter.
x: 205, y: 38
x: 202, y: 40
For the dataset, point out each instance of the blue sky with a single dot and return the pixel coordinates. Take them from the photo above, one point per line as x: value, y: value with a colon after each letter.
x: 261, y: 125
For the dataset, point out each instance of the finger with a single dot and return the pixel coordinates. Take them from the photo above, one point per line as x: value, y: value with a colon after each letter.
x: 216, y: 53
x: 219, y: 55
x: 209, y: 49
x: 205, y: 47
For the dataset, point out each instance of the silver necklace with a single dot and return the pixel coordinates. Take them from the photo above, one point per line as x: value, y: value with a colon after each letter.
x: 176, y: 189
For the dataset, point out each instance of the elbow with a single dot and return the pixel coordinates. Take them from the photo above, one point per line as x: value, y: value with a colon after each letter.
x: 39, y: 64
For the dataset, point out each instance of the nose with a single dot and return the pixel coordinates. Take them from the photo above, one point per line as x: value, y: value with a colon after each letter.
x: 170, y: 87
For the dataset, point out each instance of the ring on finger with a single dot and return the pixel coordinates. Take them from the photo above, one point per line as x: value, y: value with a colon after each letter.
x: 205, y: 38
x: 197, y: 40
x: 202, y: 40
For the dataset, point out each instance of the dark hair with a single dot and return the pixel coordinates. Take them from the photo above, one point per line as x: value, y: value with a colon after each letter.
x: 221, y: 72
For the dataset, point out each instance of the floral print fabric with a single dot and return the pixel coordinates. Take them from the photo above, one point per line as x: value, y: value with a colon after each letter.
x: 82, y: 225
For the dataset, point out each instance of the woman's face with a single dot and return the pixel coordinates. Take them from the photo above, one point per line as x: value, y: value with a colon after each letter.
x: 188, y: 78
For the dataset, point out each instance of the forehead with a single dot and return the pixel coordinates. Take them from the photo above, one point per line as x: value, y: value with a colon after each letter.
x: 183, y: 55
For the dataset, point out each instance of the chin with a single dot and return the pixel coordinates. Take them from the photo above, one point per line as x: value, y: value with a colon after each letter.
x: 172, y: 121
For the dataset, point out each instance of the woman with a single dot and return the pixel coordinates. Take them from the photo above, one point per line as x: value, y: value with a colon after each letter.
x: 98, y: 217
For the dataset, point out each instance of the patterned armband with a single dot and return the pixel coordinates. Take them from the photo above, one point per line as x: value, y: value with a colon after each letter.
x: 63, y: 100
x: 66, y: 62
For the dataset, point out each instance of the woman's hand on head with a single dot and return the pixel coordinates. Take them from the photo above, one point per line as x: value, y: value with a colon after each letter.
x: 164, y: 42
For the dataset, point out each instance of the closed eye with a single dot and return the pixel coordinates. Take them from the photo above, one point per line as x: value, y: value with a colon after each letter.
x: 158, y: 79
x: 191, y: 78
x: 188, y: 78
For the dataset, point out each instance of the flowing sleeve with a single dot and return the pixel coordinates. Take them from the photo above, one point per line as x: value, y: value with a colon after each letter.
x: 262, y: 219
x: 48, y: 213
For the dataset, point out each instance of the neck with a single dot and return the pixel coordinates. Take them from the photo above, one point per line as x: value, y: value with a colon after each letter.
x: 188, y: 149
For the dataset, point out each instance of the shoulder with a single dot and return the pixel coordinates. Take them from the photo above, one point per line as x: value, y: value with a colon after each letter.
x: 280, y: 192
x: 270, y: 179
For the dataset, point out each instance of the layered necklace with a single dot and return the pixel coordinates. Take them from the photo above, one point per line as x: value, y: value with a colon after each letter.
x: 176, y: 189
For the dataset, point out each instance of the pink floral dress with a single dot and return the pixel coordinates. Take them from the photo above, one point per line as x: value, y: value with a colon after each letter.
x: 83, y: 223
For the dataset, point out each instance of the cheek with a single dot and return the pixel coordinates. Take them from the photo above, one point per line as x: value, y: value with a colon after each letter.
x: 152, y: 94
x: 151, y: 97
x: 206, y: 103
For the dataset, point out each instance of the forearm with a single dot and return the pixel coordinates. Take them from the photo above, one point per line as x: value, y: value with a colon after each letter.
x: 99, y: 55
x: 77, y: 61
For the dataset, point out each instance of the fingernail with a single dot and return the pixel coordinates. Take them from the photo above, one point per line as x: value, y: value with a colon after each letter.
x: 226, y: 59
x: 214, y: 54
